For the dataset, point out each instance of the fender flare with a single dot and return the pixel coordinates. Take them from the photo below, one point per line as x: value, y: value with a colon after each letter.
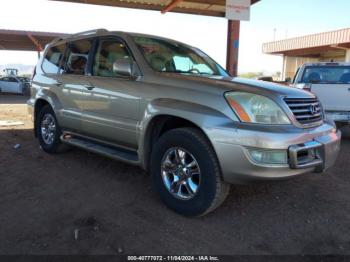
x: 203, y: 117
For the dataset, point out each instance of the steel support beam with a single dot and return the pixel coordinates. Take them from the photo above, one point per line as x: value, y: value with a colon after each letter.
x: 35, y: 42
x: 171, y: 6
x: 347, y: 55
x: 232, y: 47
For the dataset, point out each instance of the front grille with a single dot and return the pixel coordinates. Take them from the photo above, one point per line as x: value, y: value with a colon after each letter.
x: 305, y: 110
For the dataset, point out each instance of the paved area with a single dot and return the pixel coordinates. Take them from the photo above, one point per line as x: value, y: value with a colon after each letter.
x: 81, y: 203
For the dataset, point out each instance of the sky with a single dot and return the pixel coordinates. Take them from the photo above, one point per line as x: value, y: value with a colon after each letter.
x: 270, y: 20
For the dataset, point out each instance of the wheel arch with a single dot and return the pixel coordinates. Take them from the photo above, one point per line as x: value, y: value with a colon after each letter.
x: 167, y: 114
x: 39, y: 104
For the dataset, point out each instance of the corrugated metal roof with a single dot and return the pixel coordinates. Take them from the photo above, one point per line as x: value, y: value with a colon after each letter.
x: 339, y: 37
x: 26, y: 40
x: 198, y: 7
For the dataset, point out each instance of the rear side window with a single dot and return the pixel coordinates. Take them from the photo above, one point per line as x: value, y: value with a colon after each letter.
x: 52, y: 59
x: 327, y: 75
x: 76, y: 57
x: 108, y: 52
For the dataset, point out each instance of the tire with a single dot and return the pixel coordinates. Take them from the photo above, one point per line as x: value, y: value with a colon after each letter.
x: 208, y: 190
x: 54, y: 144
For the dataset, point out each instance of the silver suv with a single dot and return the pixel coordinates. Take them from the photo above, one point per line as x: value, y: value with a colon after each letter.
x: 170, y: 109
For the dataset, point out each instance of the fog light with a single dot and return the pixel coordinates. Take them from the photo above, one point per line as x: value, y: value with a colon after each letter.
x: 269, y: 156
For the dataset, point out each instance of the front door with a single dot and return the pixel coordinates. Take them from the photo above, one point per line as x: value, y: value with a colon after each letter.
x: 111, y: 107
x: 9, y: 85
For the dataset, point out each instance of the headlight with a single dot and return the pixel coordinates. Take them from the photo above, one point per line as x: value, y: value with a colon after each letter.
x: 252, y: 108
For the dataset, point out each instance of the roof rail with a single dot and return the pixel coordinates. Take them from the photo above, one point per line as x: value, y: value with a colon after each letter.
x: 57, y: 39
x: 84, y: 33
x: 90, y: 32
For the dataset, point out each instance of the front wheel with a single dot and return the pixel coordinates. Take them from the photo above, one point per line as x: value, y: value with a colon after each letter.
x: 186, y: 172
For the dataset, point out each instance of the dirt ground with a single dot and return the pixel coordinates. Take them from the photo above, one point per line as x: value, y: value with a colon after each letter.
x: 82, y: 203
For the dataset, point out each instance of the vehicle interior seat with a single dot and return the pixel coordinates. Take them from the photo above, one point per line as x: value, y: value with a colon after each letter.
x: 77, y: 65
x: 314, y: 78
x: 170, y: 65
x: 158, y: 62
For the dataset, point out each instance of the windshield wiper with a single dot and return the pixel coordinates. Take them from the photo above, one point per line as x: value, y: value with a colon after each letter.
x: 174, y: 71
x: 187, y: 72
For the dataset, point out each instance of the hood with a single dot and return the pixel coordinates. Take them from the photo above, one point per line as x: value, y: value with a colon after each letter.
x: 226, y: 83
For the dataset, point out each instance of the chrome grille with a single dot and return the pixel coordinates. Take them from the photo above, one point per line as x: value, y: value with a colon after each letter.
x: 305, y: 110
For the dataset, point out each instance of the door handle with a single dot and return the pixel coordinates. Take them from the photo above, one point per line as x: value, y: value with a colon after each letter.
x: 89, y: 87
x: 58, y: 83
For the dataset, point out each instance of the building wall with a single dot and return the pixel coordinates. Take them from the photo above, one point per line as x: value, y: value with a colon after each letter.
x: 291, y: 64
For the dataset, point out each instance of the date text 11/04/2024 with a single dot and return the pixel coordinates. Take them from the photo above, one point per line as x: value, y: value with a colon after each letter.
x: 173, y: 258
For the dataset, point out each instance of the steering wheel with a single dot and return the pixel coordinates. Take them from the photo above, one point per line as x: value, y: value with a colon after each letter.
x: 194, y: 70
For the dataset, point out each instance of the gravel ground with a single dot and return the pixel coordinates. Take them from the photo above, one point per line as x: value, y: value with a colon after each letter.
x: 82, y: 203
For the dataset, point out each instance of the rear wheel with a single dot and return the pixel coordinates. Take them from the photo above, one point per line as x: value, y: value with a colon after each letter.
x: 48, y: 131
x: 186, y: 172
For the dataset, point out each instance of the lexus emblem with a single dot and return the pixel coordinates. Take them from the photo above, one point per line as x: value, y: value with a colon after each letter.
x: 313, y: 109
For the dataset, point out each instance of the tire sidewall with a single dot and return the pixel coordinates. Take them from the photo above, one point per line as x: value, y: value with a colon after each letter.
x: 206, y: 161
x: 52, y: 148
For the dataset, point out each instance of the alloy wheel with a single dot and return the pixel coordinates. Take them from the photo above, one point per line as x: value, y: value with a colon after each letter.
x: 180, y: 173
x: 48, y: 129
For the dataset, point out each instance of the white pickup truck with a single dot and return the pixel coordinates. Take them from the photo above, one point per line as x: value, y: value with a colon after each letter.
x: 331, y: 83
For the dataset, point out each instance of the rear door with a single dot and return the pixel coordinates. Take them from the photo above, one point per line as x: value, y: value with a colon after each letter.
x: 331, y: 84
x: 72, y: 81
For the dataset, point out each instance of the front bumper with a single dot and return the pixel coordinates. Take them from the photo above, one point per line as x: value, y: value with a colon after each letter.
x: 308, y: 150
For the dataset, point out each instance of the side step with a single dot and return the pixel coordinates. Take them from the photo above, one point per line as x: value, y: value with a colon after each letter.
x: 116, y: 153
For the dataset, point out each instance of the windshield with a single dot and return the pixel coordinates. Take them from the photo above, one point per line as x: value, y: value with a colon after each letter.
x: 167, y: 56
x: 326, y: 75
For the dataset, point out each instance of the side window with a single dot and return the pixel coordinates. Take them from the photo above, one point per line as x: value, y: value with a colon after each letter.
x: 185, y: 64
x: 108, y: 52
x: 52, y: 59
x: 77, y: 57
x: 182, y: 63
x: 13, y: 80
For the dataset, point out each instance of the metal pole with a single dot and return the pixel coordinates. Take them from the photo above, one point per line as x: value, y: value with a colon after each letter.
x: 232, y: 47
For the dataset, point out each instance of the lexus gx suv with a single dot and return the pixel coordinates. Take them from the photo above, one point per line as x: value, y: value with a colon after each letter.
x: 172, y: 110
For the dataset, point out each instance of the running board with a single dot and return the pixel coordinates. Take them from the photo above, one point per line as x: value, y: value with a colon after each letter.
x: 120, y: 154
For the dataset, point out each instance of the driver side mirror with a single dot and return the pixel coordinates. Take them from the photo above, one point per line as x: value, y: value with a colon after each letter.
x: 124, y: 67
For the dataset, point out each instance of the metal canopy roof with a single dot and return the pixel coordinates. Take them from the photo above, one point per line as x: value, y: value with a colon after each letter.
x: 198, y: 7
x: 26, y: 40
x: 310, y: 45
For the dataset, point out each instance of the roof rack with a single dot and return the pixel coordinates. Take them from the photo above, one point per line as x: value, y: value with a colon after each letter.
x: 90, y: 32
x: 56, y: 40
x: 84, y: 33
